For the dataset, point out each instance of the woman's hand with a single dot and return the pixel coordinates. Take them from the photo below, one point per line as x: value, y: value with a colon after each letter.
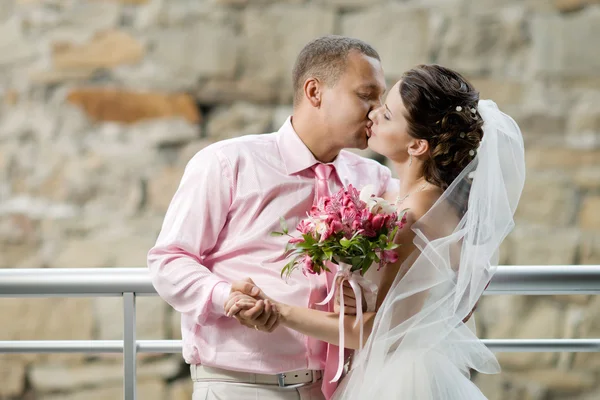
x: 349, y: 299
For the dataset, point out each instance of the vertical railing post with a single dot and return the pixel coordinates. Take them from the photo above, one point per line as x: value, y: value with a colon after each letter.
x: 129, y: 347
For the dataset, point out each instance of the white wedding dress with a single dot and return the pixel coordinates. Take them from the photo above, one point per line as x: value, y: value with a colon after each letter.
x: 419, y: 348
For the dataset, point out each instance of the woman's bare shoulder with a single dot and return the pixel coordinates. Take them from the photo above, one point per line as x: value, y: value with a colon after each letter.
x: 419, y: 203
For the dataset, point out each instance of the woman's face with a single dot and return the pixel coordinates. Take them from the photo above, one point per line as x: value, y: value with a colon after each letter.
x: 389, y: 132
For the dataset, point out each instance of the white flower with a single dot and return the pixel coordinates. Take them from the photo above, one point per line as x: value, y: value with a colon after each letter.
x: 375, y: 205
x: 367, y: 192
x: 458, y: 108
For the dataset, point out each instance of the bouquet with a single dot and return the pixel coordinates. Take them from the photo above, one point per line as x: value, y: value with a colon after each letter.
x: 353, y: 230
x: 350, y: 228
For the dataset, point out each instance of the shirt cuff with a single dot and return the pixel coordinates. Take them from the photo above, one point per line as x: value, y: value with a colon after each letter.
x: 219, y: 296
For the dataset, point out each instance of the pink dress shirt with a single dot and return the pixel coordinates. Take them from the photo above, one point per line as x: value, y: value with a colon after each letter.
x: 217, y: 230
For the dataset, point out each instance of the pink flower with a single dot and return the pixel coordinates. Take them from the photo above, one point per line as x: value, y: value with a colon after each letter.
x: 327, y: 233
x: 307, y: 265
x: 389, y: 256
x: 355, y: 197
x: 347, y: 201
x: 348, y: 214
x: 378, y: 221
x: 365, y: 215
x: 305, y: 226
x: 390, y: 220
x: 402, y: 222
x: 336, y: 226
x: 314, y: 211
x: 296, y: 240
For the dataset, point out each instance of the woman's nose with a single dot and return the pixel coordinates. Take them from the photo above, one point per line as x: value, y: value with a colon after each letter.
x: 373, y: 114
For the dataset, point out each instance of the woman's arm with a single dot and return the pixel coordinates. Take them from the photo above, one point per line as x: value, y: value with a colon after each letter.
x: 324, y: 325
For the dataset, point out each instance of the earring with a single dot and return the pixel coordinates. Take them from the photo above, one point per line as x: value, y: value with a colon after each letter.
x: 410, y: 160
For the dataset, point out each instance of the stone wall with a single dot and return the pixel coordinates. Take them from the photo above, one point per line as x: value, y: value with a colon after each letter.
x: 102, y: 103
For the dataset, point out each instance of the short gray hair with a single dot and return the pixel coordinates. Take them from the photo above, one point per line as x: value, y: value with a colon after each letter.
x: 325, y: 58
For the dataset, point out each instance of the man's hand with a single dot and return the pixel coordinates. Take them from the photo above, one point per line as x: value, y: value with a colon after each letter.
x: 349, y: 299
x: 251, y: 307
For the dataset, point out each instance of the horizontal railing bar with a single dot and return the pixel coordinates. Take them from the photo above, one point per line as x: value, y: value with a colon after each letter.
x: 93, y: 282
x: 543, y: 345
x: 33, y: 282
x: 174, y: 346
x: 87, y: 346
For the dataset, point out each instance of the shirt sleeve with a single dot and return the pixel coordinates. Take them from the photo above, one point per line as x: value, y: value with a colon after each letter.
x: 388, y: 183
x: 195, y: 217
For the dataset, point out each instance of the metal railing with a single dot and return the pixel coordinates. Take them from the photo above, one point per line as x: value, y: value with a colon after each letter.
x: 132, y: 282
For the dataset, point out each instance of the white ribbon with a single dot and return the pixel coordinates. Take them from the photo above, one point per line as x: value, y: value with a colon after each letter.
x: 356, y: 282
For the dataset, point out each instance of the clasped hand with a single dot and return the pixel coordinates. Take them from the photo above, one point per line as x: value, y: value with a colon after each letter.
x: 252, y: 308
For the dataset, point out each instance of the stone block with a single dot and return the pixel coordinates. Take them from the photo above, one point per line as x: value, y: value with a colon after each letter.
x: 12, y: 378
x: 46, y: 319
x: 246, y: 89
x: 162, y: 187
x: 205, y: 50
x: 60, y: 377
x: 548, y: 199
x: 269, y: 50
x: 104, y: 50
x: 116, y: 105
x: 147, y: 390
x: 502, y: 387
x: 542, y: 320
x: 583, y: 129
x: 238, y: 120
x: 590, y: 249
x: 589, y: 214
x: 181, y: 389
x: 490, y: 41
x: 400, y: 34
x: 536, y: 245
x: 559, y: 40
x: 151, y: 318
x: 14, y: 47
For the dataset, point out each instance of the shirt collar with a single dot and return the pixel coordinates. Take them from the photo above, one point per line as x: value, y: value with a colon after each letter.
x: 296, y: 156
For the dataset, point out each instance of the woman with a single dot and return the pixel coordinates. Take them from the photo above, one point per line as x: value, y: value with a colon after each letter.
x: 460, y: 162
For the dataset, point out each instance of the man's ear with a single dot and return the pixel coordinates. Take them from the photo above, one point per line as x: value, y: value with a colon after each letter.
x: 313, y: 92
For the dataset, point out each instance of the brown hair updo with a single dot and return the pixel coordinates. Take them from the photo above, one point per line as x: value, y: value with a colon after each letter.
x: 441, y: 107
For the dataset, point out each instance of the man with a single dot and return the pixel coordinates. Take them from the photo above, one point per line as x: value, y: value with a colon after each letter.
x: 232, y: 194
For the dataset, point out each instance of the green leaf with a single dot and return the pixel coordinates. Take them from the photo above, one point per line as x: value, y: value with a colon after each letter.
x: 345, y: 242
x: 283, y: 224
x: 276, y: 234
x: 366, y: 267
x: 357, y: 261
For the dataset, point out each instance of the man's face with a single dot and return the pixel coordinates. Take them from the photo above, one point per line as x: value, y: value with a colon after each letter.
x: 347, y: 104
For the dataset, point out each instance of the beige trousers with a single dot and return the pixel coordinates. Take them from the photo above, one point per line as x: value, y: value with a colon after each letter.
x: 248, y: 391
x: 218, y: 384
